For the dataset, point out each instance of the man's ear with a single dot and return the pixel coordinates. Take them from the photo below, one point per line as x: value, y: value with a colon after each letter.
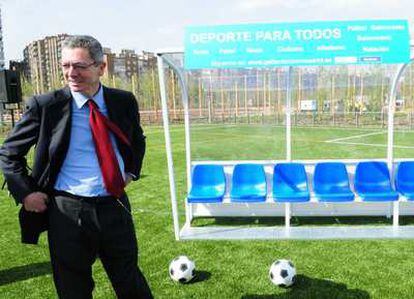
x: 102, y: 67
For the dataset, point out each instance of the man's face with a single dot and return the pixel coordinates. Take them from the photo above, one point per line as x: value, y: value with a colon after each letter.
x: 80, y: 71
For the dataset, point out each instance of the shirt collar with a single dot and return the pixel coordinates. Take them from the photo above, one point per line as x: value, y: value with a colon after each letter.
x: 80, y: 99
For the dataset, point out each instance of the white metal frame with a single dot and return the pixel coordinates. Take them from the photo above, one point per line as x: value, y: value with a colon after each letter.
x: 270, y: 208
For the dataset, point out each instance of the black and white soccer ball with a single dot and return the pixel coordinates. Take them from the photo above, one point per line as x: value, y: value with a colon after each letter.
x: 282, y: 273
x: 182, y: 269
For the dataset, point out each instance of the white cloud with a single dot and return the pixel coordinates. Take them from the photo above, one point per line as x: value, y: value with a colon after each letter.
x: 256, y: 4
x: 300, y: 6
x: 169, y: 29
x: 251, y: 5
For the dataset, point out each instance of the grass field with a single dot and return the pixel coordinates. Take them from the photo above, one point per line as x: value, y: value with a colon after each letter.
x: 232, y: 269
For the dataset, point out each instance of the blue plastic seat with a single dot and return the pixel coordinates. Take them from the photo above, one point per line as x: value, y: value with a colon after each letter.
x: 290, y: 183
x: 248, y: 183
x: 331, y: 183
x: 208, y: 184
x: 372, y: 182
x: 404, y: 179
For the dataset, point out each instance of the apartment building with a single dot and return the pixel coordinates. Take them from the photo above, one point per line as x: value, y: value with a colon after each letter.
x: 42, y: 59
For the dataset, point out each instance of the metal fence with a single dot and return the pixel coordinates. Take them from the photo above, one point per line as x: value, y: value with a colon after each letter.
x: 402, y: 119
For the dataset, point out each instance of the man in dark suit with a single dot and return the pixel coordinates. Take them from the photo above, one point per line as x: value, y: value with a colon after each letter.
x: 88, y: 146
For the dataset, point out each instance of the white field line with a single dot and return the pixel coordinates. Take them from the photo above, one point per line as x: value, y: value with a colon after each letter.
x: 374, y: 144
x: 335, y: 141
x: 338, y: 140
x: 341, y: 141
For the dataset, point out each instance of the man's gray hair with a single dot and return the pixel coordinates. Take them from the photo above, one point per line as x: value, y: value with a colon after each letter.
x: 85, y: 42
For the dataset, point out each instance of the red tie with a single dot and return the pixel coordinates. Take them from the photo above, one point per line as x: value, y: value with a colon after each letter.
x: 100, y: 126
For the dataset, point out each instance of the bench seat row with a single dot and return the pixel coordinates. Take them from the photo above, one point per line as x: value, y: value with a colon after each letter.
x: 290, y: 183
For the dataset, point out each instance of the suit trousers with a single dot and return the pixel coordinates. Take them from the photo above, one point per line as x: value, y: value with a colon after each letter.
x: 84, y: 228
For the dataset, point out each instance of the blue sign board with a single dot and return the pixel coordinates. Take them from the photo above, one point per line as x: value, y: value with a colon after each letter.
x: 297, y: 44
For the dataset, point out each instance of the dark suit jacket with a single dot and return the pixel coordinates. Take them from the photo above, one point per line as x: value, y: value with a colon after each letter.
x: 47, y: 125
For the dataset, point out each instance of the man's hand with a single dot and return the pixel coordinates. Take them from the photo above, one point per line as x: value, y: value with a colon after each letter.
x: 35, y: 202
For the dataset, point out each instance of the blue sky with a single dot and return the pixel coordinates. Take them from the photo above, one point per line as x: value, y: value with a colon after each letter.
x: 149, y: 25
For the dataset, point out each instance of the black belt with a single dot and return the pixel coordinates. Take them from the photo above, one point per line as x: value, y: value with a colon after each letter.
x: 89, y: 199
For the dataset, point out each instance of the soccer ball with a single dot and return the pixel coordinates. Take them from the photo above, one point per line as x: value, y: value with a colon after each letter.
x: 282, y: 273
x: 182, y: 269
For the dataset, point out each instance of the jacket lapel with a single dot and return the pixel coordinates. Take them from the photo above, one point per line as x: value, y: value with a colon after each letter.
x: 60, y: 124
x: 112, y: 106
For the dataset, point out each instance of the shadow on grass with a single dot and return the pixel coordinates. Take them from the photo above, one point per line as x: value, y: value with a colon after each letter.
x: 200, y: 276
x: 312, y: 288
x: 24, y: 272
x: 231, y: 221
x: 299, y: 221
x: 406, y: 220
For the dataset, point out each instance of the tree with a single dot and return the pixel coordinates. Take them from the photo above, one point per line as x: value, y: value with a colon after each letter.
x: 27, y: 88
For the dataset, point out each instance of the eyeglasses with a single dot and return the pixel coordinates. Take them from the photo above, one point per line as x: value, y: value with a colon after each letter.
x: 80, y: 66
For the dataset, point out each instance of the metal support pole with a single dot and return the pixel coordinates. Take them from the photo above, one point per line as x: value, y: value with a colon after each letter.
x: 395, y: 214
x: 287, y: 215
x: 391, y: 109
x: 288, y: 115
x: 390, y: 149
x: 168, y: 146
x: 184, y: 98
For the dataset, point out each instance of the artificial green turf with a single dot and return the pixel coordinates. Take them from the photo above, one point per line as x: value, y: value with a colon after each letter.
x: 231, y: 269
